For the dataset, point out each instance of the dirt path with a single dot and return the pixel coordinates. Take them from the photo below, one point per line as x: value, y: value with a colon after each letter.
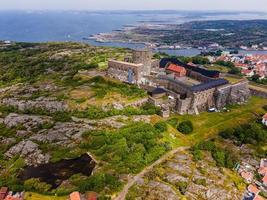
x: 132, y: 180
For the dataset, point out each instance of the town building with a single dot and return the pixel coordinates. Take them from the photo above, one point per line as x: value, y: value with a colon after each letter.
x: 3, y: 193
x: 75, y: 196
x: 177, y: 70
x: 264, y: 119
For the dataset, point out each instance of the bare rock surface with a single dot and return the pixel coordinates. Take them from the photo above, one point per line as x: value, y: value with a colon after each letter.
x: 63, y: 133
x: 7, y: 141
x: 48, y: 104
x: 29, y: 122
x: 28, y: 150
x: 198, y: 179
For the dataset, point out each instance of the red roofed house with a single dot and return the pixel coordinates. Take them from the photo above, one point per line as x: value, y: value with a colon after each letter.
x: 248, y: 176
x: 247, y: 72
x: 264, y: 119
x: 91, y: 196
x: 253, y: 189
x: 3, y: 193
x: 75, y: 196
x: 10, y: 197
x: 258, y: 197
x: 178, y: 71
x: 264, y: 180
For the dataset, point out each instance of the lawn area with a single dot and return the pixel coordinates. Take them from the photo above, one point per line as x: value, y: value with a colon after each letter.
x: 220, y: 68
x: 207, y: 125
x: 232, y: 79
x: 35, y: 196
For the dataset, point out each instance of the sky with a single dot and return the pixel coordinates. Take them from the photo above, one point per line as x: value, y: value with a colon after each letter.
x: 244, y: 5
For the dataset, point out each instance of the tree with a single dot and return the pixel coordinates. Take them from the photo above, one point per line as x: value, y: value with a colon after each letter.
x: 34, y: 184
x: 185, y: 127
x: 161, y: 126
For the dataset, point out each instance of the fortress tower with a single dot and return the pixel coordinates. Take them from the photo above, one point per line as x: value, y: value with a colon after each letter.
x: 143, y: 57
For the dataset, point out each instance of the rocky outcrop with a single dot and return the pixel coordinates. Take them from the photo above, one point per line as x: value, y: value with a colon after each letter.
x: 48, y: 104
x: 29, y: 122
x: 181, y: 177
x: 63, y: 133
x: 115, y: 121
x: 29, y: 151
x: 7, y: 141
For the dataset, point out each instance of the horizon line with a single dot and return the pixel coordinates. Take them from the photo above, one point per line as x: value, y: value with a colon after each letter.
x: 139, y: 10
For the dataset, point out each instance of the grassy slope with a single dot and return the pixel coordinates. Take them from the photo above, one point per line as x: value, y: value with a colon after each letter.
x: 35, y: 196
x: 208, y: 125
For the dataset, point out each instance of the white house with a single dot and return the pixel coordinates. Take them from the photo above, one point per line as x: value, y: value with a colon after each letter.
x: 264, y: 119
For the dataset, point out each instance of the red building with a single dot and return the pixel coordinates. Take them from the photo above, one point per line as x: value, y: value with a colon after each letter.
x: 178, y: 71
x: 3, y: 193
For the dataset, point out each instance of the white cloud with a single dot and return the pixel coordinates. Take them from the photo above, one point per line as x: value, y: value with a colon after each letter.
x: 255, y: 5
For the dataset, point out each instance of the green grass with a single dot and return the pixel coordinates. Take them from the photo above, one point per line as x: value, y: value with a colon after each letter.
x: 220, y: 68
x: 35, y: 196
x: 208, y: 125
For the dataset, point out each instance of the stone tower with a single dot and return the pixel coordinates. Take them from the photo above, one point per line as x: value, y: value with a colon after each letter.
x: 143, y: 57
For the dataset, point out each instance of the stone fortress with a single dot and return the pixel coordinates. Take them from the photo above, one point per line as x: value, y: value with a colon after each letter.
x: 176, y: 86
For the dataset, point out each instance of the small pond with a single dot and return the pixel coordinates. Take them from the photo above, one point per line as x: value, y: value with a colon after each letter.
x: 55, y: 173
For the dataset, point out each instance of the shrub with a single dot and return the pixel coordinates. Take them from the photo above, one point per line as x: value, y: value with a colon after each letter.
x: 99, y: 181
x: 34, y: 184
x: 185, y: 127
x: 182, y: 186
x: 62, y: 116
x: 161, y: 126
x: 173, y: 122
x: 197, y: 154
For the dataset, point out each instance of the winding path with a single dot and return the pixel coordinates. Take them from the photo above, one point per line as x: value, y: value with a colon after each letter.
x: 132, y: 180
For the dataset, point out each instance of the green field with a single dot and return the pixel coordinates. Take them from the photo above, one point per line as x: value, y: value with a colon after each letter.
x: 207, y: 125
x: 35, y: 196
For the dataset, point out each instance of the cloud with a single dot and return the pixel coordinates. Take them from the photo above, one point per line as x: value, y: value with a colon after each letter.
x: 255, y: 5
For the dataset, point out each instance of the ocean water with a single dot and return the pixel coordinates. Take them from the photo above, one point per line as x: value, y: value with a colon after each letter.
x: 44, y: 26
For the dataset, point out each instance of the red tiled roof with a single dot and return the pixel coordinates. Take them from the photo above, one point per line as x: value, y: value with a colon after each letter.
x: 265, y: 116
x: 253, y: 189
x: 91, y: 196
x: 13, y: 198
x: 246, y: 71
x: 176, y: 68
x: 263, y: 170
x: 264, y: 180
x: 247, y: 175
x: 258, y: 197
x: 3, y: 193
x: 75, y: 196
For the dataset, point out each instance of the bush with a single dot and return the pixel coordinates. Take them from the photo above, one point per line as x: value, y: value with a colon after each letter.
x: 182, y: 186
x: 99, y: 181
x: 265, y: 107
x: 62, y: 116
x: 197, y: 155
x: 161, y: 126
x: 173, y: 122
x: 185, y: 127
x: 35, y: 185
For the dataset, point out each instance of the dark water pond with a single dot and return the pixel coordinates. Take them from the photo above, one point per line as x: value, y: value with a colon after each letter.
x: 55, y: 173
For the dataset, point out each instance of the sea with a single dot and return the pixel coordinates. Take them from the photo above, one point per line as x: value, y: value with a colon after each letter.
x: 47, y: 26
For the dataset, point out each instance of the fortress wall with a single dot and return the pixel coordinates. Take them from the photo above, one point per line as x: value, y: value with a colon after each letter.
x: 204, y: 99
x: 232, y: 94
x: 258, y: 93
x: 184, y: 105
x: 119, y: 70
x: 144, y: 57
x: 197, y: 76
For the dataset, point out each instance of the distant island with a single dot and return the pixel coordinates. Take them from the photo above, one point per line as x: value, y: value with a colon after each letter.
x: 242, y: 34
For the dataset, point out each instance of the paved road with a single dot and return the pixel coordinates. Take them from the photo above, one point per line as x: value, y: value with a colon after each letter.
x: 132, y: 180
